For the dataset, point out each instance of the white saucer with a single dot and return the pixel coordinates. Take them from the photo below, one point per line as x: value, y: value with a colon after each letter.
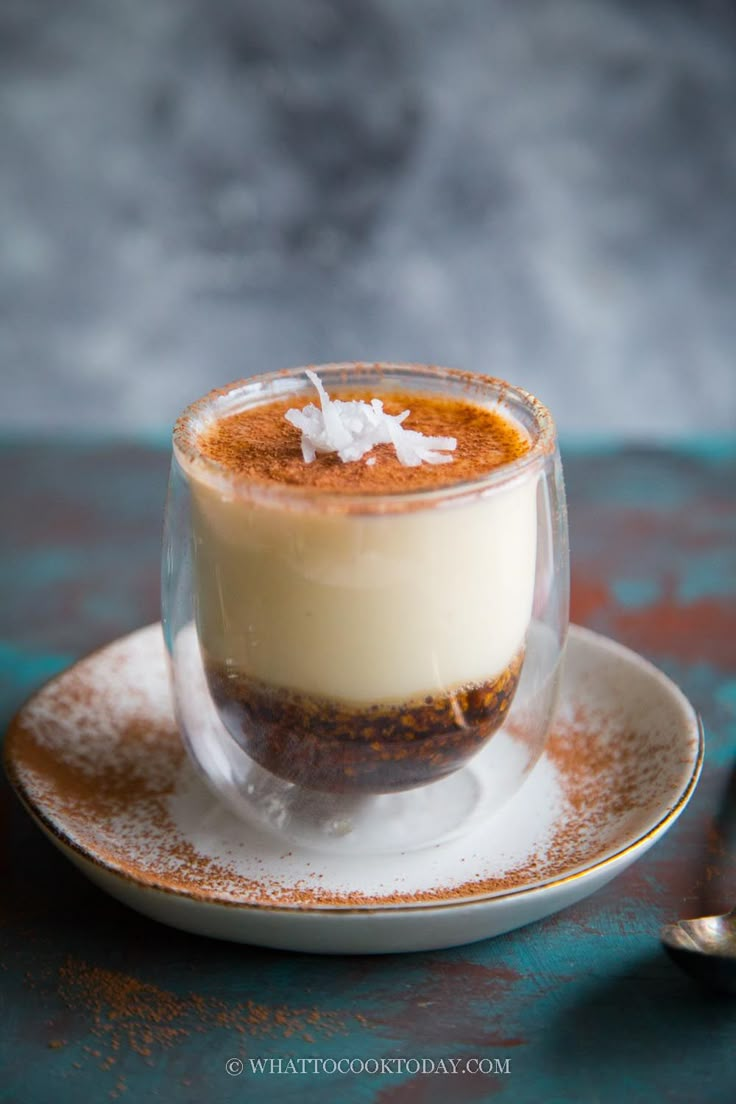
x: 96, y: 758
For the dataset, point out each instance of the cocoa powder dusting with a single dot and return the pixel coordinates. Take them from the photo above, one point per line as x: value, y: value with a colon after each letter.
x: 98, y: 757
x: 130, y: 1015
x: 260, y: 444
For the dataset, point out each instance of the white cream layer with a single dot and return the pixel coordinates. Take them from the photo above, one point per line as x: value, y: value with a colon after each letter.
x: 366, y: 608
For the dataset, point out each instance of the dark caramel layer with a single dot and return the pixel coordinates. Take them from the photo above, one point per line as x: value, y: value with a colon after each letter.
x: 337, y: 748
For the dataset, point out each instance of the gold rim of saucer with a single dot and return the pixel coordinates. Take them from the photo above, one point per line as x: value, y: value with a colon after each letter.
x: 35, y: 804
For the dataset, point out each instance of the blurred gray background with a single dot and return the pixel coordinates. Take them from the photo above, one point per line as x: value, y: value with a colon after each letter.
x: 196, y: 190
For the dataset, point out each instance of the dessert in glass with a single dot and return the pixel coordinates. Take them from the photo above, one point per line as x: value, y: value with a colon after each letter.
x: 365, y: 594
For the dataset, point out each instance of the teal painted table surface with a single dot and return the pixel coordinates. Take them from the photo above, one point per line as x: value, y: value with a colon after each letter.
x: 98, y: 1003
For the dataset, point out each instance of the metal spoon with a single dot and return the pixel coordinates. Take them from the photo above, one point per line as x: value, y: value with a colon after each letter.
x: 705, y: 947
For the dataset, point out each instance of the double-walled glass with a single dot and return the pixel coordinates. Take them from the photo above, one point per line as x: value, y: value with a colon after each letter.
x: 366, y: 672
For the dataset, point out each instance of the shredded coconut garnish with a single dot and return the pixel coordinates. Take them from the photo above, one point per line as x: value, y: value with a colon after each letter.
x: 351, y: 429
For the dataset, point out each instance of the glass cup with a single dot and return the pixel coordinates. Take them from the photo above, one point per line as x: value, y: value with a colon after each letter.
x: 366, y: 672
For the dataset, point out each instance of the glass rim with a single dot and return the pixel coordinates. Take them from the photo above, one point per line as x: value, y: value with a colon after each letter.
x: 195, y: 418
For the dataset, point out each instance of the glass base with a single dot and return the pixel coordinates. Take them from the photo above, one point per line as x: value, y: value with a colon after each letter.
x: 372, y: 824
